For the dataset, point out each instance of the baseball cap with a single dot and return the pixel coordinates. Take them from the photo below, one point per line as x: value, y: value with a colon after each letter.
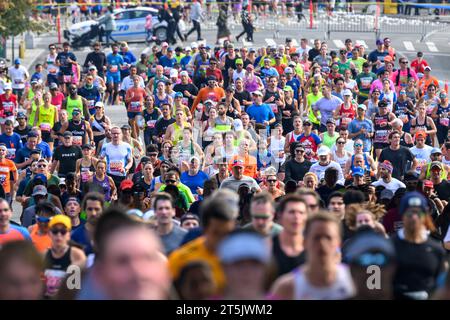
x: 239, y: 61
x: 436, y: 150
x: 187, y: 49
x: 419, y: 134
x: 60, y: 219
x: 250, y: 67
x: 442, y: 95
x: 7, y: 86
x: 67, y: 134
x: 92, y: 67
x: 87, y: 146
x: 428, y: 184
x: 178, y: 95
x: 382, y: 104
x: 238, y: 163
x: 436, y: 164
x: 386, y: 164
x: 388, y: 59
x: 194, y: 45
x: 362, y: 106
x: 189, y: 216
x: 164, y: 44
x: 21, y: 115
x: 231, y: 249
x: 420, y: 54
x: 170, y: 49
x: 288, y: 88
x: 288, y: 70
x: 99, y: 104
x: 386, y: 194
x: 237, y: 124
x: 257, y: 92
x: 209, y: 101
x: 347, y: 92
x: 369, y: 248
x: 413, y: 199
x: 53, y: 86
x: 184, y: 73
x: 125, y: 127
x: 212, y: 78
x: 76, y: 110
x: 39, y: 191
x: 357, y: 171
x: 330, y: 120
x: 378, y: 42
x: 126, y: 184
x: 17, y: 61
x: 427, y: 68
x: 40, y: 176
x: 323, y: 151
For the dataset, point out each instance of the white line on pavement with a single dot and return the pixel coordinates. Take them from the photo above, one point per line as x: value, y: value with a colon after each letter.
x: 339, y: 44
x: 270, y: 42
x: 409, y: 45
x: 432, y: 46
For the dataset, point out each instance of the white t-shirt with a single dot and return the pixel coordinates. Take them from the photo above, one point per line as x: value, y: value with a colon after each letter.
x: 393, y: 185
x: 342, y: 288
x: 18, y: 76
x: 237, y: 74
x: 127, y: 83
x: 319, y: 170
x: 300, y: 50
x: 422, y: 156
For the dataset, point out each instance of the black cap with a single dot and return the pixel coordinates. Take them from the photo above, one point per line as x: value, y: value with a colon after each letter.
x: 87, y: 146
x: 32, y: 134
x: 189, y: 216
x: 67, y: 134
x: 420, y: 54
x: 35, y: 151
x: 212, y: 78
x: 125, y: 127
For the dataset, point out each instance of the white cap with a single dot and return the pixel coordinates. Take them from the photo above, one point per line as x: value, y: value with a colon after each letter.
x: 347, y: 92
x: 99, y: 104
x: 362, y: 106
x: 184, y: 73
x: 288, y: 70
x: 257, y: 92
x: 237, y: 124
x: 194, y: 45
x: 323, y: 151
x: 188, y: 49
x: 7, y: 86
x: 174, y: 73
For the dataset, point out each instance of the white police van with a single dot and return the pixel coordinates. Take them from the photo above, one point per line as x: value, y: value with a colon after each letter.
x: 130, y: 26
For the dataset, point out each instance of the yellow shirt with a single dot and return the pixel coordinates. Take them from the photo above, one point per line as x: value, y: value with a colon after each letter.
x: 196, y: 251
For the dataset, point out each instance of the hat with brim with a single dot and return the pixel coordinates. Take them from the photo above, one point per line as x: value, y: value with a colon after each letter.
x: 232, y: 250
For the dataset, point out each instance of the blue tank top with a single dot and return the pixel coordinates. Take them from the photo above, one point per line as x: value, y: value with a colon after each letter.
x: 159, y: 102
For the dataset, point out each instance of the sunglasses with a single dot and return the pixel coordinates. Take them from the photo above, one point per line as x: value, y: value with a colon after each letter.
x: 153, y: 154
x: 340, y: 142
x: 42, y: 219
x: 271, y: 181
x: 42, y: 165
x: 299, y: 151
x: 63, y: 232
x: 358, y: 145
x: 260, y: 217
x: 307, y: 124
x: 171, y: 181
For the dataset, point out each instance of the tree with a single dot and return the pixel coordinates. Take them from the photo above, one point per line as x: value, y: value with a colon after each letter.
x: 16, y: 18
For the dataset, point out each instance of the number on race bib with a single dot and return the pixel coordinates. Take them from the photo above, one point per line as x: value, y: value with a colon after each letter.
x: 77, y: 140
x: 45, y: 126
x: 115, y: 166
x: 135, y: 106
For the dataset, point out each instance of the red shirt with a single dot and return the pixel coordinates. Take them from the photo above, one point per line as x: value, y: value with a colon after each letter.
x: 135, y: 98
x: 418, y: 66
x: 8, y: 106
x: 216, y: 72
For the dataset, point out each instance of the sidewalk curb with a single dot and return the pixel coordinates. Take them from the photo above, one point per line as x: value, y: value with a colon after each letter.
x: 30, y: 64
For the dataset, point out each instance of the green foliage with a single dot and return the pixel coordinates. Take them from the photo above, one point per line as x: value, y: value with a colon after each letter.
x: 16, y: 17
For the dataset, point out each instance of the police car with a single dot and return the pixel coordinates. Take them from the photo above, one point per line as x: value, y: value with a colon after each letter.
x: 130, y: 26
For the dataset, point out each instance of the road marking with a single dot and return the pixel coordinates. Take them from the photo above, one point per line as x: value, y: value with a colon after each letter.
x: 432, y: 46
x: 362, y: 43
x: 409, y: 45
x: 270, y: 42
x: 339, y: 44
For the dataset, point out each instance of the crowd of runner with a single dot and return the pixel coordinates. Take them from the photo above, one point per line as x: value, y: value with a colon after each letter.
x: 242, y: 173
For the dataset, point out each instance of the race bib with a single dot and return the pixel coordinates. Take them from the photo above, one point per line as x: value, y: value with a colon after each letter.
x: 274, y: 107
x: 151, y: 124
x: 67, y: 78
x: 2, y: 179
x: 403, y: 117
x: 381, y: 136
x: 365, y: 83
x: 10, y: 153
x: 135, y: 106
x: 52, y: 70
x: 444, y: 122
x: 8, y: 107
x: 85, y: 176
x: 113, y: 68
x: 45, y: 126
x: 115, y: 166
x: 77, y: 140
